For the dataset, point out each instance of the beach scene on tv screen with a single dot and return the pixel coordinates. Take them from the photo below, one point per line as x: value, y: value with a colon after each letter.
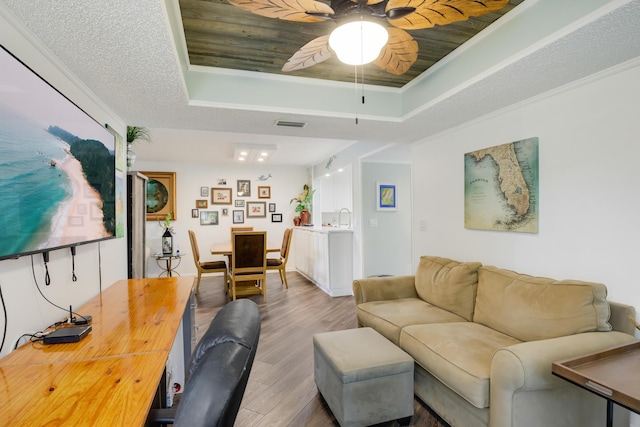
x: 57, y: 167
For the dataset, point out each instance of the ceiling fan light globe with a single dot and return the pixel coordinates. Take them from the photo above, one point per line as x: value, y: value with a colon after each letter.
x: 358, y: 42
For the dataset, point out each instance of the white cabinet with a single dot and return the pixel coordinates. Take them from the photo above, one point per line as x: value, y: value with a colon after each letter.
x: 335, y: 191
x: 326, y: 258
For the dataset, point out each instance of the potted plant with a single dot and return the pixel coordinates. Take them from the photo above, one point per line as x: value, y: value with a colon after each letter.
x: 304, y: 203
x: 135, y: 133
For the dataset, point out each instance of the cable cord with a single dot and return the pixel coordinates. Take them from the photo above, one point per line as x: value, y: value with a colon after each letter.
x: 73, y: 264
x: 4, y: 309
x: 35, y: 280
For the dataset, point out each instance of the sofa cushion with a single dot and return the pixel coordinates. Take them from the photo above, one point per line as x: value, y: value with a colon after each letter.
x: 448, y: 284
x: 389, y: 317
x: 535, y: 308
x: 458, y: 354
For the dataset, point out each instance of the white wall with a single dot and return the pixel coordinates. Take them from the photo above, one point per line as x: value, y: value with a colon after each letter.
x: 386, y: 244
x: 589, y: 156
x: 286, y: 182
x: 97, y: 266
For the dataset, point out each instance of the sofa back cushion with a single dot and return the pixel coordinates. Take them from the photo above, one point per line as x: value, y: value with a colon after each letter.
x: 448, y: 284
x: 535, y: 308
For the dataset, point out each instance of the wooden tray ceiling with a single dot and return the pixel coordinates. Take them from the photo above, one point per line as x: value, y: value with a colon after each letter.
x: 221, y: 35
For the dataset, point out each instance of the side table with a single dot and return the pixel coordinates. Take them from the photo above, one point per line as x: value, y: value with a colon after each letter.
x: 167, y: 264
x: 611, y: 374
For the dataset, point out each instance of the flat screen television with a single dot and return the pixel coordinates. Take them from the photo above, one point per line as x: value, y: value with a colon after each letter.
x: 57, y: 167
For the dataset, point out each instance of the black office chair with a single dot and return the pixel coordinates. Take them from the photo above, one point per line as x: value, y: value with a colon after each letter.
x: 218, y: 370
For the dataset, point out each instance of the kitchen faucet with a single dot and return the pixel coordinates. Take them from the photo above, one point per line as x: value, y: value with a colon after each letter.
x: 340, y: 217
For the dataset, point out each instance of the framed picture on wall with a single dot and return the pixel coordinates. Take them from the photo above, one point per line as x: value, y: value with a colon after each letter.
x: 386, y: 197
x: 256, y: 209
x: 238, y: 217
x: 202, y: 204
x: 264, y: 192
x: 221, y: 196
x: 244, y: 188
x: 194, y: 213
x: 204, y: 191
x: 239, y: 203
x: 208, y: 217
x: 161, y: 195
x: 272, y: 207
x: 276, y: 217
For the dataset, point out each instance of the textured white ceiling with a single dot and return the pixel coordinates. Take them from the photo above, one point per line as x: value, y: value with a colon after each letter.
x: 127, y: 54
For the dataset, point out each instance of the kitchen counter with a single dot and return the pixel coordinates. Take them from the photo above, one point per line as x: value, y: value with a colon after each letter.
x: 324, y: 255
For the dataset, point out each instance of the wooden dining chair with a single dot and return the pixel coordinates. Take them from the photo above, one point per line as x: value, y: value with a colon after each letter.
x: 205, y: 267
x: 248, y: 263
x: 280, y: 263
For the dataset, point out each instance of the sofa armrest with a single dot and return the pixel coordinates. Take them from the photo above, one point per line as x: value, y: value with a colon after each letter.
x: 384, y: 288
x: 524, y: 369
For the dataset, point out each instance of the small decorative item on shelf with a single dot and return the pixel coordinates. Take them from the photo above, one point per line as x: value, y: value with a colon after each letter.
x: 304, y: 202
x: 167, y: 236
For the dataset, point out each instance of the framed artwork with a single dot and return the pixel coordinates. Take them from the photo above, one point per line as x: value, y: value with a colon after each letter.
x: 161, y: 195
x: 220, y: 196
x: 264, y: 192
x: 222, y: 181
x: 276, y: 217
x: 208, y: 217
x: 194, y: 213
x: 238, y: 217
x: 256, y: 209
x: 204, y: 191
x: 244, y: 188
x: 239, y: 203
x: 386, y: 197
x: 225, y: 211
x: 202, y: 204
x: 272, y: 207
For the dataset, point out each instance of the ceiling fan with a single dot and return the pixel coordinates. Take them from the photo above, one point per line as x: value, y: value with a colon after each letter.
x: 401, y: 50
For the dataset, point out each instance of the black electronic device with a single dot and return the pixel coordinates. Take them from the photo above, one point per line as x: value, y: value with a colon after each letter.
x: 67, y: 335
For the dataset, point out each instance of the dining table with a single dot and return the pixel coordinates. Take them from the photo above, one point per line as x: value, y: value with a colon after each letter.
x: 224, y: 248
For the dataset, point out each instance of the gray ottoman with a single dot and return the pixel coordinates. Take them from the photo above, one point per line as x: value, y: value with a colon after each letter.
x: 363, y: 377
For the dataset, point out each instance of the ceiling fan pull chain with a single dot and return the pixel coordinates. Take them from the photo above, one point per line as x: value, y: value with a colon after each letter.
x: 355, y: 85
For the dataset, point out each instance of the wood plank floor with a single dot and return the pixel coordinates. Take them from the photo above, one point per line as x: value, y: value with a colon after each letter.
x: 281, y: 390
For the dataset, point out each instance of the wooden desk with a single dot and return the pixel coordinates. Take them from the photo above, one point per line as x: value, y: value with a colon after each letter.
x: 612, y: 374
x: 224, y: 248
x: 111, y: 376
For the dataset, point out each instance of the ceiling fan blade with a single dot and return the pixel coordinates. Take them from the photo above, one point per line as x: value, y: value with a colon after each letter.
x: 399, y: 12
x: 289, y: 10
x: 312, y: 53
x: 399, y: 54
x: 429, y: 13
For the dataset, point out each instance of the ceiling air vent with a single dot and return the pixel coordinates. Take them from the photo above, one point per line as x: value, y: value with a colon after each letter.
x: 289, y: 124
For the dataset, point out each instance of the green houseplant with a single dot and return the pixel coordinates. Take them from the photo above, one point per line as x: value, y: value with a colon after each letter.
x: 304, y: 202
x: 135, y: 133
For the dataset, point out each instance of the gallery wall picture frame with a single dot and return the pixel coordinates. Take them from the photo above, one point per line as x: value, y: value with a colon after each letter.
x: 256, y: 209
x: 194, y: 213
x: 238, y: 217
x: 272, y: 207
x: 225, y: 211
x: 221, y: 196
x: 204, y: 191
x: 208, y: 217
x: 386, y: 197
x: 276, y: 217
x: 264, y: 192
x: 222, y: 181
x: 239, y: 203
x: 202, y: 204
x: 161, y: 195
x: 244, y: 188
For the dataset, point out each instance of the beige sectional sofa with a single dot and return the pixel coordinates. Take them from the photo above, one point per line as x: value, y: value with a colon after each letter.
x: 484, y: 338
